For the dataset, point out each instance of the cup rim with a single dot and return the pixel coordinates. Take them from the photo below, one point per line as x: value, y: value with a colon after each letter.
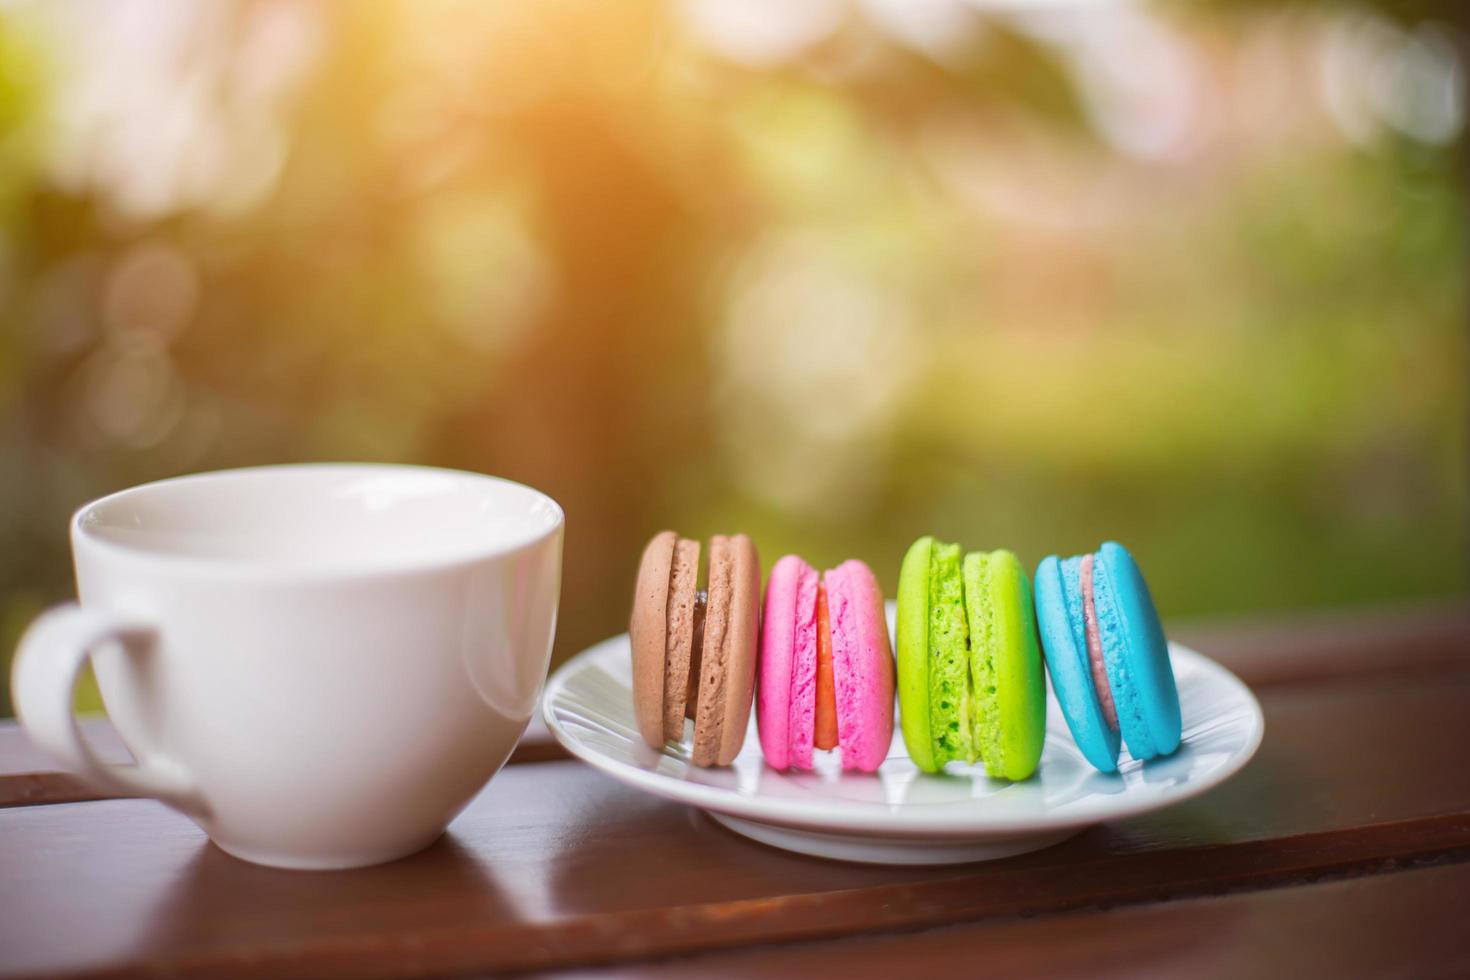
x: 83, y: 535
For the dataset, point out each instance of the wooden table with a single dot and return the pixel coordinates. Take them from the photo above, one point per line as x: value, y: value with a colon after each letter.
x: 1342, y: 850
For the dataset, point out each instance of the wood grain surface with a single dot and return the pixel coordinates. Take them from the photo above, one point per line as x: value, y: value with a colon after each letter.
x: 1361, y: 779
x: 1392, y: 925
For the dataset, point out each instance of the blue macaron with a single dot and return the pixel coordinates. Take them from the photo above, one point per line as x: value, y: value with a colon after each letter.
x: 1103, y: 597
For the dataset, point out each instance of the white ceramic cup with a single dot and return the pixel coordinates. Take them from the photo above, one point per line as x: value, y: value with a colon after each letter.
x: 319, y: 664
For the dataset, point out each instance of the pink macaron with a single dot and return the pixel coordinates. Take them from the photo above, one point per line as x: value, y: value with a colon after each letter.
x: 826, y: 667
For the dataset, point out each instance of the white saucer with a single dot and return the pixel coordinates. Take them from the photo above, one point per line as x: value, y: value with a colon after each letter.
x: 901, y: 815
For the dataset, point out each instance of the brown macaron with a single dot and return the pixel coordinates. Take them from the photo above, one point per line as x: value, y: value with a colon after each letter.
x: 694, y: 652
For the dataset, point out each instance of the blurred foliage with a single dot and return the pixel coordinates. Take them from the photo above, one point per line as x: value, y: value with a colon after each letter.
x: 1151, y: 275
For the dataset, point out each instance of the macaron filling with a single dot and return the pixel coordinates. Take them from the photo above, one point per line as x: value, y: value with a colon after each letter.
x: 1095, y: 660
x: 824, y: 735
x: 814, y: 671
x: 696, y: 652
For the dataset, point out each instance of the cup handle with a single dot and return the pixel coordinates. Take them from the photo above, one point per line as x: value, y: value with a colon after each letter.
x: 47, y: 663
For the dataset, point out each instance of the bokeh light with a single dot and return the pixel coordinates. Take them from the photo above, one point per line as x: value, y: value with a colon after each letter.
x: 833, y: 272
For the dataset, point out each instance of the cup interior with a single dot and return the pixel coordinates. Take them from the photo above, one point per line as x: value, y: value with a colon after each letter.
x: 323, y: 515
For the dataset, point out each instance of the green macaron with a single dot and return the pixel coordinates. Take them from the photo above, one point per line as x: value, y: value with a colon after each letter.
x: 970, y: 682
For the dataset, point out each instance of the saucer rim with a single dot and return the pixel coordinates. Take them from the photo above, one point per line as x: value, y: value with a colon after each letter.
x: 939, y: 822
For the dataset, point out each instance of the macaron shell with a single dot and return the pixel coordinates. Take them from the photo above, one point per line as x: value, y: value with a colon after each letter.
x: 1065, y: 651
x: 786, y: 703
x: 949, y: 658
x: 679, y: 636
x: 714, y: 667
x: 647, y: 630
x: 1137, y: 655
x: 801, y: 721
x: 778, y: 637
x: 912, y: 639
x: 728, y: 658
x: 1016, y: 663
x: 745, y: 642
x: 984, y: 714
x: 862, y: 666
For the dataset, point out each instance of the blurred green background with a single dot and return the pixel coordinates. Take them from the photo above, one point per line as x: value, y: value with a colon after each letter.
x: 835, y: 274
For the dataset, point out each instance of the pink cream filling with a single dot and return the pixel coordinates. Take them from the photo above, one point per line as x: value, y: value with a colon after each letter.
x: 1094, y: 645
